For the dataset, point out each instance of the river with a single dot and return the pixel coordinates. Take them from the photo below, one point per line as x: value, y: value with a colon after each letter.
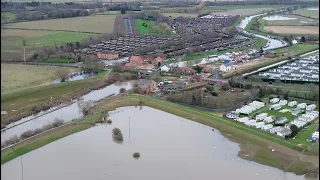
x: 272, y: 43
x: 171, y: 147
x: 67, y: 113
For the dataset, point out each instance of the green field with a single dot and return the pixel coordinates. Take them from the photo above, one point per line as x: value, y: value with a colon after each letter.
x: 55, y: 39
x: 296, y: 49
x: 142, y: 29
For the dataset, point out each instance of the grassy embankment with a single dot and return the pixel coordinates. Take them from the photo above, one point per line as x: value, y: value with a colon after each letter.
x: 255, y: 144
x: 21, y: 103
x: 18, y: 76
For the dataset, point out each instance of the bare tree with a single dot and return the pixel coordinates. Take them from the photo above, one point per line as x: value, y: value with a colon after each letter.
x: 84, y: 106
x: 63, y: 74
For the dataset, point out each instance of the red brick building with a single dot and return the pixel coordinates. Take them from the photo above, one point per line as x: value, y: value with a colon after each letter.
x: 107, y: 55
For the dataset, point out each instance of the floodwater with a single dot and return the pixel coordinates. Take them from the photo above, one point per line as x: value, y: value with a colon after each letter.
x: 272, y: 43
x: 171, y: 148
x: 277, y: 18
x: 76, y: 76
x: 67, y: 113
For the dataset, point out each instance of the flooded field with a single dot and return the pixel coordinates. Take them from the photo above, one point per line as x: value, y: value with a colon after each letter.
x: 66, y: 113
x: 170, y: 147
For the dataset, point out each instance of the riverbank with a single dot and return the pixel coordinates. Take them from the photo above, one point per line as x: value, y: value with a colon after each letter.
x: 255, y: 145
x: 24, y: 103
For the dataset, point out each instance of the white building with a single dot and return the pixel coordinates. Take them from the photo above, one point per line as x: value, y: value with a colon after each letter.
x: 227, y: 67
x: 274, y: 100
x: 243, y: 119
x: 302, y: 105
x: 283, y: 102
x: 311, y: 107
x: 292, y: 103
x: 268, y: 119
x: 261, y: 116
x: 275, y: 107
x: 164, y: 69
x: 267, y: 127
x: 274, y: 130
x: 284, y: 132
x: 315, y: 135
x: 259, y: 125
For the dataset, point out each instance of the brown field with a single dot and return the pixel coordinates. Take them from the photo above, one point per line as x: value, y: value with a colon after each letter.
x: 293, y: 29
x: 97, y: 24
x: 17, y: 76
x: 174, y: 15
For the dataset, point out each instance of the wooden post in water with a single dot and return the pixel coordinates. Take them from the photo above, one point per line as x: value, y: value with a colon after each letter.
x: 21, y: 168
x: 129, y: 129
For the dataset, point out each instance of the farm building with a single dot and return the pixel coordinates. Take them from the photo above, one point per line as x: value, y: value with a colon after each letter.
x: 302, y: 105
x: 275, y: 107
x: 283, y: 102
x: 274, y: 100
x: 284, y: 132
x: 259, y: 125
x: 261, y: 116
x: 311, y: 107
x: 281, y: 120
x: 292, y: 103
x: 276, y: 129
x: 268, y: 119
x: 267, y: 127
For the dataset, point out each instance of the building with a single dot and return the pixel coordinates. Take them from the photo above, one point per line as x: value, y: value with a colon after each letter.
x: 281, y: 120
x: 311, y: 107
x: 259, y: 125
x: 110, y: 55
x: 164, y: 69
x: 261, y: 116
x: 284, y: 132
x: 146, y: 86
x: 275, y: 107
x: 206, y: 69
x: 283, y: 102
x: 302, y: 105
x: 268, y: 119
x: 267, y: 127
x: 274, y: 100
x: 227, y: 67
x: 292, y: 103
x: 136, y: 61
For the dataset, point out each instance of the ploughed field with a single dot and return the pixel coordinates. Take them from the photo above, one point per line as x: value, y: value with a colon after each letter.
x: 293, y: 29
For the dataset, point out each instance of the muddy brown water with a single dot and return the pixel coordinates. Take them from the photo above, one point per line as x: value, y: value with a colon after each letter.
x: 67, y: 113
x: 171, y: 148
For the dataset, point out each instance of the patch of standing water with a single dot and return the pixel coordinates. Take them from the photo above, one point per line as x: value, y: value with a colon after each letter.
x: 277, y: 18
x: 171, y: 148
x: 313, y: 9
x: 76, y: 76
x: 67, y: 113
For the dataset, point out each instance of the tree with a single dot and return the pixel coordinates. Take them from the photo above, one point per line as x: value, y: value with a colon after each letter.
x: 117, y: 135
x: 123, y: 11
x: 63, y: 74
x: 91, y: 65
x: 84, y: 106
x: 226, y: 86
x: 198, y: 69
x: 303, y: 39
x: 294, y: 130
